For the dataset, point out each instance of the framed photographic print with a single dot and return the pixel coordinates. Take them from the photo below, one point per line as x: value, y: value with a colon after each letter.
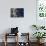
x: 17, y: 12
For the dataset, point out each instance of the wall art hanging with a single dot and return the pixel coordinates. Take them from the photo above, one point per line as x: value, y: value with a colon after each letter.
x: 17, y: 12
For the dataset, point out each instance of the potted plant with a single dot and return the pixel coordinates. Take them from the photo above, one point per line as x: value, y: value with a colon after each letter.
x: 39, y: 35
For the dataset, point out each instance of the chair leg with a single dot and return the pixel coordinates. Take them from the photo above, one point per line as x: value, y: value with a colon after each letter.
x: 5, y: 43
x: 5, y: 40
x: 17, y: 39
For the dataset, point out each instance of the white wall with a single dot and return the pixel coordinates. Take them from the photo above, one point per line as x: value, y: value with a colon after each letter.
x: 23, y: 23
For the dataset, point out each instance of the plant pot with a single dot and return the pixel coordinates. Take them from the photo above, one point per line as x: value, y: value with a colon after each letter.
x: 40, y: 41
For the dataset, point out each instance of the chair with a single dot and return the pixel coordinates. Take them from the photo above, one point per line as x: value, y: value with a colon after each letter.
x: 7, y: 35
x: 25, y: 36
x: 14, y: 32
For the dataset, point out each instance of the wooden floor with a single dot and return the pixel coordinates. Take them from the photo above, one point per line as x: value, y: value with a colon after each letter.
x: 13, y: 44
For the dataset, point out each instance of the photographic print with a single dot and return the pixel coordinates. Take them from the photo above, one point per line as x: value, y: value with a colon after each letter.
x: 17, y: 12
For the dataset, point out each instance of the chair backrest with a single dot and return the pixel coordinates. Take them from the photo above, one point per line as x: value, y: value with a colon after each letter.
x: 14, y: 30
